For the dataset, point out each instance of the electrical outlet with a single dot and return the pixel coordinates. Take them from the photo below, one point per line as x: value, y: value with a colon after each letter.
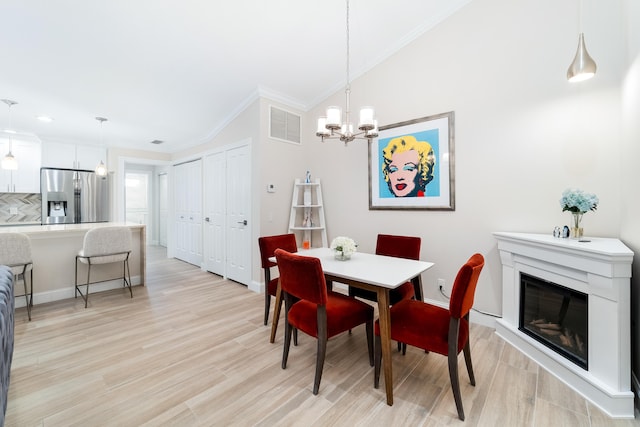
x: 440, y: 283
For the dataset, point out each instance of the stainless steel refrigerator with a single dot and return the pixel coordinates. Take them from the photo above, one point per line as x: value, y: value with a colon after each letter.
x: 72, y: 196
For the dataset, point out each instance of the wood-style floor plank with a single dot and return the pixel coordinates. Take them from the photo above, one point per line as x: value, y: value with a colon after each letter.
x: 190, y: 349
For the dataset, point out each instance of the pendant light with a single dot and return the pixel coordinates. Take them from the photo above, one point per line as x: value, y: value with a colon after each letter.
x: 583, y: 66
x: 332, y: 126
x: 101, y: 169
x: 9, y: 162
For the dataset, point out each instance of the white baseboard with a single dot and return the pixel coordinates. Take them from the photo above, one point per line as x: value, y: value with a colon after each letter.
x: 257, y: 287
x: 474, y: 316
x: 69, y: 292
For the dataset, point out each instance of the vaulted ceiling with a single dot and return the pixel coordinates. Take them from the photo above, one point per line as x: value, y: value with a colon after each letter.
x: 179, y: 70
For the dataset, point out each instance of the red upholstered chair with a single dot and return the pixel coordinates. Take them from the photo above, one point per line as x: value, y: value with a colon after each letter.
x: 436, y: 329
x: 399, y: 247
x: 317, y: 312
x: 268, y: 246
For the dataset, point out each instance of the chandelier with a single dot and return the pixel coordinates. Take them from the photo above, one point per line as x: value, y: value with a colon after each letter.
x: 9, y: 162
x: 332, y: 126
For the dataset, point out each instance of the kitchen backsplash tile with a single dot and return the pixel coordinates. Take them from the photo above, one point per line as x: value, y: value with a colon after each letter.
x: 20, y: 207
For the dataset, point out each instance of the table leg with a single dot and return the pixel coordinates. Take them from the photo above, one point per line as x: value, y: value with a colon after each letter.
x: 276, y: 314
x: 417, y: 287
x: 384, y: 318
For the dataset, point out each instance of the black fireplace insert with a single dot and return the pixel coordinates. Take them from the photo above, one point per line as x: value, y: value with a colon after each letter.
x: 555, y: 316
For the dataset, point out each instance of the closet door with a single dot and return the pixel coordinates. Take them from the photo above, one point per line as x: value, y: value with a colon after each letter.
x: 238, y: 233
x: 215, y: 209
x: 163, y: 214
x: 227, y: 213
x: 188, y: 211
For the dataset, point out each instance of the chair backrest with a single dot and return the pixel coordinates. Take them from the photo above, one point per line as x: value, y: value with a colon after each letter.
x: 464, y: 287
x: 106, y: 241
x: 302, y: 277
x: 269, y: 244
x: 15, y: 249
x: 398, y: 246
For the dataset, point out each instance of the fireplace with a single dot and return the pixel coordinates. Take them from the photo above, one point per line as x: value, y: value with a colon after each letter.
x: 555, y: 316
x: 583, y: 287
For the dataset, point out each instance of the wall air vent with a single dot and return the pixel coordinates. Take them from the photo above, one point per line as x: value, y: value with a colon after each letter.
x: 157, y: 141
x: 284, y: 126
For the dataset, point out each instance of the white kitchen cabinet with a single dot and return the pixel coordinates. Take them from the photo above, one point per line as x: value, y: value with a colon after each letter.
x: 26, y: 179
x: 72, y: 156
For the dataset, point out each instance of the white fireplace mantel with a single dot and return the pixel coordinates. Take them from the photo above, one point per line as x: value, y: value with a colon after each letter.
x: 599, y: 268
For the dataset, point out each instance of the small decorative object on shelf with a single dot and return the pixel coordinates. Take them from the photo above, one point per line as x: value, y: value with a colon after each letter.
x: 578, y: 203
x: 343, y: 247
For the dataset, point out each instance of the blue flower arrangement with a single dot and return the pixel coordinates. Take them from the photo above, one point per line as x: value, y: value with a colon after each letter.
x: 578, y: 201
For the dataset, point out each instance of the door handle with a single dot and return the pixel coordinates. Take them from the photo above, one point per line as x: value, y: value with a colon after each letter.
x: 243, y: 222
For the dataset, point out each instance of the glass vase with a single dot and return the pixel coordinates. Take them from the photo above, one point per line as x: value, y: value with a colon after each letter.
x: 576, y: 226
x: 341, y: 256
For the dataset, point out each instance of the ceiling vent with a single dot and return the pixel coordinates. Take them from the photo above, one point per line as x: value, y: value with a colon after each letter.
x: 157, y: 141
x: 284, y: 126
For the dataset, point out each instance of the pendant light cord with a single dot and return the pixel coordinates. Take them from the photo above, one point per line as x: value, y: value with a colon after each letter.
x: 579, y: 16
x: 348, y: 88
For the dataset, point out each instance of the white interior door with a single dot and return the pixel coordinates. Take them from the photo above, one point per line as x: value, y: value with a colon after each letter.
x: 227, y: 212
x: 194, y: 189
x: 238, y: 229
x: 214, y: 212
x: 188, y: 208
x: 163, y: 211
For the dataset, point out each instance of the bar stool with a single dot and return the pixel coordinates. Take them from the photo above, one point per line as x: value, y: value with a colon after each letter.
x: 104, y: 245
x: 15, y: 253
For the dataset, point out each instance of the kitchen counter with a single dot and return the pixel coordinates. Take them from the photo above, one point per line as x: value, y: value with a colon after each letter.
x: 54, y: 248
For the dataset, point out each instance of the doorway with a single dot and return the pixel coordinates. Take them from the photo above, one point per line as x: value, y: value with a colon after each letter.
x: 137, y: 197
x: 142, y: 198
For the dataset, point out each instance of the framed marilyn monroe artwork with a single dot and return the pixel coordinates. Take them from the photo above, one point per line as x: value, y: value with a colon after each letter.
x: 411, y: 165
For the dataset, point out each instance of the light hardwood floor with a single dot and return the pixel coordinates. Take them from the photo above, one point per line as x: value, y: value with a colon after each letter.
x: 191, y: 349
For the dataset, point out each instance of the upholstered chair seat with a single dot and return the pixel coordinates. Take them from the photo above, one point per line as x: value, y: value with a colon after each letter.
x: 15, y: 253
x: 104, y: 245
x: 315, y: 311
x: 268, y: 246
x: 436, y: 329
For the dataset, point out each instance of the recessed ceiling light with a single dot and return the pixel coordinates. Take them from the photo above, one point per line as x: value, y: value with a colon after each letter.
x: 45, y: 119
x: 157, y: 141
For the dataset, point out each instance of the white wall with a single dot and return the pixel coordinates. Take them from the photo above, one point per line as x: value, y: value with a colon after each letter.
x: 523, y: 134
x: 245, y: 126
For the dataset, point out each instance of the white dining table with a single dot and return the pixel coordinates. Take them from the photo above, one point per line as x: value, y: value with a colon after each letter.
x: 373, y: 272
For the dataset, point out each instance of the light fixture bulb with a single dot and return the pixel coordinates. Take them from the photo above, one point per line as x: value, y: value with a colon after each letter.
x: 101, y: 169
x: 9, y: 162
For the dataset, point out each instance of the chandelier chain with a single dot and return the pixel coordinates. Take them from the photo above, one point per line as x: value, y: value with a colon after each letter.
x: 348, y: 47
